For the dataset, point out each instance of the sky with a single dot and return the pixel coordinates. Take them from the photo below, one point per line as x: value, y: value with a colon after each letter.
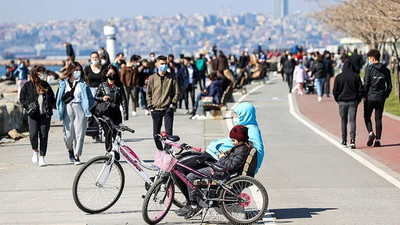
x: 25, y: 11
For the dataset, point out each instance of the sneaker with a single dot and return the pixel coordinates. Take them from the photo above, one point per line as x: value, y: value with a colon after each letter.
x: 42, y: 163
x: 146, y: 112
x: 352, y: 145
x: 77, y: 160
x: 319, y: 99
x: 193, y: 212
x: 71, y: 156
x: 343, y: 144
x: 371, y: 138
x: 377, y: 144
x: 35, y: 157
x: 186, y: 111
x: 194, y: 117
x: 134, y: 113
x: 201, y: 118
x: 183, y: 211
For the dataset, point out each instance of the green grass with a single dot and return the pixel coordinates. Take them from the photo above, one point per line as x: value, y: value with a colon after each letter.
x: 392, y: 104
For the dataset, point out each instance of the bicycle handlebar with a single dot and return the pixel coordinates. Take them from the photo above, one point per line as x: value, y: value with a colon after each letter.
x: 121, y: 127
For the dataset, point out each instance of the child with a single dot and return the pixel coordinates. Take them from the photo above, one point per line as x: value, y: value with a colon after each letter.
x: 232, y: 161
x: 299, y: 76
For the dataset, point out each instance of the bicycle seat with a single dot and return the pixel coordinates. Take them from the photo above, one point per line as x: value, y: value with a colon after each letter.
x: 173, y: 138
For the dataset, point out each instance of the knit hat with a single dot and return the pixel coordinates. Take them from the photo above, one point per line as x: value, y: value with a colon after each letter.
x: 240, y: 133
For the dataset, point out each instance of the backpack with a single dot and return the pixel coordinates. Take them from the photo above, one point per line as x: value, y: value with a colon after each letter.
x: 200, y: 64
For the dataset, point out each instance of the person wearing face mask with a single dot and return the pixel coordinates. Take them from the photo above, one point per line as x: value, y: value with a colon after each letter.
x: 74, y: 114
x: 162, y: 97
x: 21, y: 74
x: 39, y: 91
x: 129, y: 79
x: 111, y: 90
x: 188, y: 77
x: 299, y: 76
x: 93, y: 72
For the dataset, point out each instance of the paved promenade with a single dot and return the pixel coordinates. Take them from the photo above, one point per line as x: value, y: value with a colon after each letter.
x: 309, y: 180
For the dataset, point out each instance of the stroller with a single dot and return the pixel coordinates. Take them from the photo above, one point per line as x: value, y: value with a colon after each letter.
x: 309, y: 85
x: 94, y: 129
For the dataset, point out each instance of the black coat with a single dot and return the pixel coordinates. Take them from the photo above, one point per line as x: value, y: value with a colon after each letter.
x: 377, y: 82
x: 318, y: 70
x: 348, y: 85
x: 357, y: 61
x: 235, y: 159
x: 29, y: 95
x: 117, y: 96
x: 288, y: 66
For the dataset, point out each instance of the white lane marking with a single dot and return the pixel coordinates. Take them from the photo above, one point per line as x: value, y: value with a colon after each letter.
x: 361, y: 160
x: 267, y: 219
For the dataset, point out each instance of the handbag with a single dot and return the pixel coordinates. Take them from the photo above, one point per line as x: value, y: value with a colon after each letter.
x: 32, y: 108
x: 101, y: 109
x: 68, y: 96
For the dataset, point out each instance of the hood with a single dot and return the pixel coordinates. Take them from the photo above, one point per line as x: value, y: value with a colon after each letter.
x: 348, y: 66
x: 378, y: 66
x: 246, y: 113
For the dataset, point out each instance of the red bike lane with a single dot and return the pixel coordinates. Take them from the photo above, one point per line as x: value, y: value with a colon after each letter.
x: 326, y: 115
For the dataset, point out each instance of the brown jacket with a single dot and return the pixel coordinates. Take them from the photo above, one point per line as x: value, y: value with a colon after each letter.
x: 129, y: 78
x: 161, y: 95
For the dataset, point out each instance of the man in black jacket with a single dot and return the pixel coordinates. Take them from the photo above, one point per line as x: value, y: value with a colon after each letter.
x: 357, y: 60
x: 377, y: 87
x: 348, y: 91
x: 288, y: 68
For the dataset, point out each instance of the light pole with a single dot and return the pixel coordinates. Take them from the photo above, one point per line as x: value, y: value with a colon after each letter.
x: 109, y: 31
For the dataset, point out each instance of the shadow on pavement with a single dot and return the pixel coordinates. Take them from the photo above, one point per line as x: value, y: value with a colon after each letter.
x: 294, y: 213
x: 390, y: 145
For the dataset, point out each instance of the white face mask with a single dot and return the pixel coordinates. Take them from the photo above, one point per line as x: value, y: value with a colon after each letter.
x: 235, y: 120
x: 103, y: 61
x: 77, y: 74
x: 95, y: 61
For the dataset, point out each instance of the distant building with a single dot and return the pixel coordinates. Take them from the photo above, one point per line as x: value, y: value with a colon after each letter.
x: 280, y: 8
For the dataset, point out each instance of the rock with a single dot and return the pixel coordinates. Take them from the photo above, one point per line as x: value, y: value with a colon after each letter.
x: 11, y: 117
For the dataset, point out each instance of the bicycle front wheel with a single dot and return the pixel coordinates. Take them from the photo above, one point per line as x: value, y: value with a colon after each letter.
x: 158, y: 201
x: 98, y: 185
x: 246, y: 202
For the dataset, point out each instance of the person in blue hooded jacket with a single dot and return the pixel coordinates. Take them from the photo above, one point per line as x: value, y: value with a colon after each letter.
x: 74, y: 113
x: 244, y: 114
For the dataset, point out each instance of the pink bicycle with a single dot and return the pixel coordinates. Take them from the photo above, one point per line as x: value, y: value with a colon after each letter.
x: 99, y: 183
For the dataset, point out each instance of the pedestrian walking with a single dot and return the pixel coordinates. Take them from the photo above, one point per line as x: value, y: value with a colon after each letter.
x: 188, y: 77
x: 299, y: 76
x: 93, y: 72
x: 130, y: 81
x: 318, y: 72
x: 21, y: 74
x: 201, y: 66
x: 377, y: 87
x: 74, y: 100
x: 357, y: 60
x: 329, y: 73
x: 37, y: 98
x: 112, y: 91
x: 288, y: 68
x: 348, y: 92
x: 162, y: 97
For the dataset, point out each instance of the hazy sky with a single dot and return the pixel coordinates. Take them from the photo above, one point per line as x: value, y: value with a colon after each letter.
x: 24, y: 11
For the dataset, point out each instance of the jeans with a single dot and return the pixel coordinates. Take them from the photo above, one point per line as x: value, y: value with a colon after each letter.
x: 158, y: 116
x: 198, y: 98
x: 369, y: 106
x: 320, y: 86
x: 202, y: 79
x: 130, y: 93
x: 348, y: 112
x: 39, y: 128
x: 142, y: 94
x: 189, y: 90
x: 328, y: 86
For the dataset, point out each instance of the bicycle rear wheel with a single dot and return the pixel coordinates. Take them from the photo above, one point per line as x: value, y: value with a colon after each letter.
x: 158, y: 201
x: 98, y: 185
x: 248, y: 203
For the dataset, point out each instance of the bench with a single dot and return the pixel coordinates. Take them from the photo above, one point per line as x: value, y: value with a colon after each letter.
x: 216, y: 108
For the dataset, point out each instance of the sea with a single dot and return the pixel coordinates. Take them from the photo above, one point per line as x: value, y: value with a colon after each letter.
x: 52, y: 68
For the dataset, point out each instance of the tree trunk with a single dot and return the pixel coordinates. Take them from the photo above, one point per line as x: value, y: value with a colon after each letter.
x: 396, y: 69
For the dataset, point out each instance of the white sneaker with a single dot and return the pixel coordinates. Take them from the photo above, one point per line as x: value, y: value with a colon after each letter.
x: 195, y: 117
x: 319, y: 99
x: 146, y: 112
x: 201, y: 118
x: 42, y: 163
x: 134, y: 113
x: 35, y: 157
